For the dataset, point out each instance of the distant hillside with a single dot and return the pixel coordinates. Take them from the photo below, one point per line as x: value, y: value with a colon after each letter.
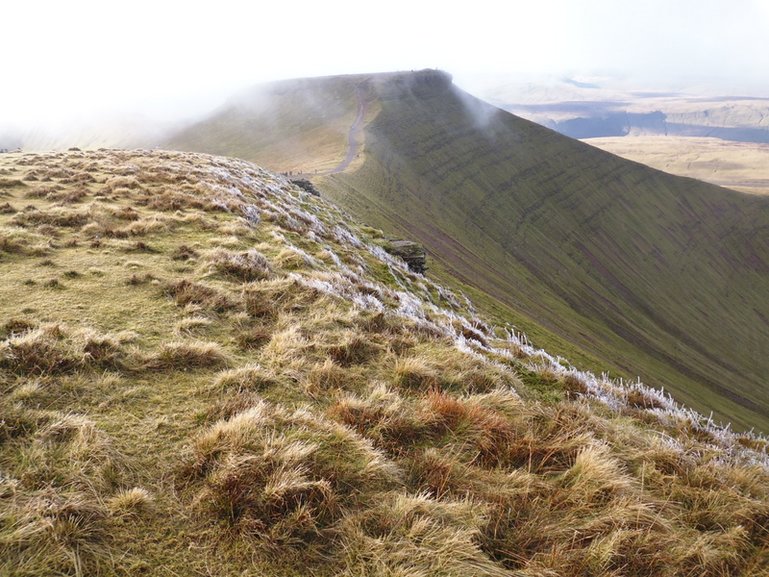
x: 206, y: 370
x: 742, y: 166
x: 654, y: 275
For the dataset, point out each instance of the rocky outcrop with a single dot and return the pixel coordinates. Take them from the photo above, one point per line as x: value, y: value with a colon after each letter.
x: 411, y: 252
x: 306, y: 186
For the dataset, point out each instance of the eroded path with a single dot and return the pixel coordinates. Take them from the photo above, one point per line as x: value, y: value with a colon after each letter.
x: 353, y: 143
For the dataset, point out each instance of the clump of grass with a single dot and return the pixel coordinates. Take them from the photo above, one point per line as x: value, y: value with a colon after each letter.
x: 119, y: 184
x: 53, y: 532
x: 174, y: 201
x: 69, y: 196
x: 6, y: 183
x: 486, y: 433
x: 184, y: 253
x: 53, y: 521
x: 106, y: 350
x: 126, y: 213
x: 16, y: 326
x: 55, y: 349
x: 6, y: 208
x: 16, y: 420
x: 44, y: 191
x: 192, y: 325
x: 141, y: 279
x: 354, y: 349
x: 22, y: 242
x: 57, y: 217
x: 185, y: 355
x: 141, y: 246
x: 417, y: 535
x: 42, y: 351
x: 283, y: 478
x: 187, y: 292
x: 328, y: 376
x: 245, y: 266
x: 574, y: 385
x: 129, y: 502
x: 392, y: 422
x: 250, y: 377
x: 267, y: 299
x: 415, y: 373
x: 253, y: 337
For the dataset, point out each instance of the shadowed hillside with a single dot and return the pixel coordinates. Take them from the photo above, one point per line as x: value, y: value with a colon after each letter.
x: 204, y: 369
x: 655, y: 275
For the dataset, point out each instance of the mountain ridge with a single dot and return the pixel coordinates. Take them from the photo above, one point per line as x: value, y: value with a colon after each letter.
x: 653, y: 274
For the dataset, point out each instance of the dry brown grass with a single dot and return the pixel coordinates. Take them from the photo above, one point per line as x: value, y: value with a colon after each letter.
x: 246, y: 378
x: 55, y: 349
x: 282, y: 477
x: 186, y: 292
x: 415, y: 373
x: 322, y: 432
x: 187, y: 355
x: 57, y: 217
x: 52, y: 517
x: 245, y: 266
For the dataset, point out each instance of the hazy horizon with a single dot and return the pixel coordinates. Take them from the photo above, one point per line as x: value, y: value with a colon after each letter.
x: 82, y: 64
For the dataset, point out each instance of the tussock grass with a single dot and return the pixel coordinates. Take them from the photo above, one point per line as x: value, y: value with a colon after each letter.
x: 57, y: 349
x: 245, y: 267
x: 416, y: 535
x: 328, y: 376
x: 192, y: 325
x: 52, y: 516
x: 283, y: 477
x: 6, y: 183
x: 56, y: 217
x: 23, y: 242
x: 331, y: 420
x: 268, y: 299
x: 129, y: 502
x: 415, y: 373
x: 186, y: 292
x: 253, y: 337
x: 184, y: 252
x: 246, y: 378
x: 53, y: 532
x: 185, y: 355
x: 354, y: 349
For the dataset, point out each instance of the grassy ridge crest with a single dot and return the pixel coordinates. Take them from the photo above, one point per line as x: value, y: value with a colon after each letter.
x: 203, y: 365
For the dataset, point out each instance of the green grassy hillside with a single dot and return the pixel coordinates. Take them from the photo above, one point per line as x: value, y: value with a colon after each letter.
x: 654, y: 275
x: 205, y: 370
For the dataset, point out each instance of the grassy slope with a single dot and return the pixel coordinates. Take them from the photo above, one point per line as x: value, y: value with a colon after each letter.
x: 202, y: 366
x: 655, y: 275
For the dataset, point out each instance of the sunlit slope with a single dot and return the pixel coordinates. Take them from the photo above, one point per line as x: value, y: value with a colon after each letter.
x: 742, y: 166
x: 660, y: 276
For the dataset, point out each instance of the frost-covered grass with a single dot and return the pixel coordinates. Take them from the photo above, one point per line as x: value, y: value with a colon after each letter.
x: 275, y: 395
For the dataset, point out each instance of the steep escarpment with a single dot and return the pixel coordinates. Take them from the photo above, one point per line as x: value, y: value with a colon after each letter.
x: 672, y: 270
x: 203, y: 366
x: 648, y: 273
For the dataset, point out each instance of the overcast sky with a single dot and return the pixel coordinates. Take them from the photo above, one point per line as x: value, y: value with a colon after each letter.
x: 66, y: 60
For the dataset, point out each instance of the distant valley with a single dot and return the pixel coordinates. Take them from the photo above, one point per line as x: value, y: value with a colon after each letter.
x: 723, y: 140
